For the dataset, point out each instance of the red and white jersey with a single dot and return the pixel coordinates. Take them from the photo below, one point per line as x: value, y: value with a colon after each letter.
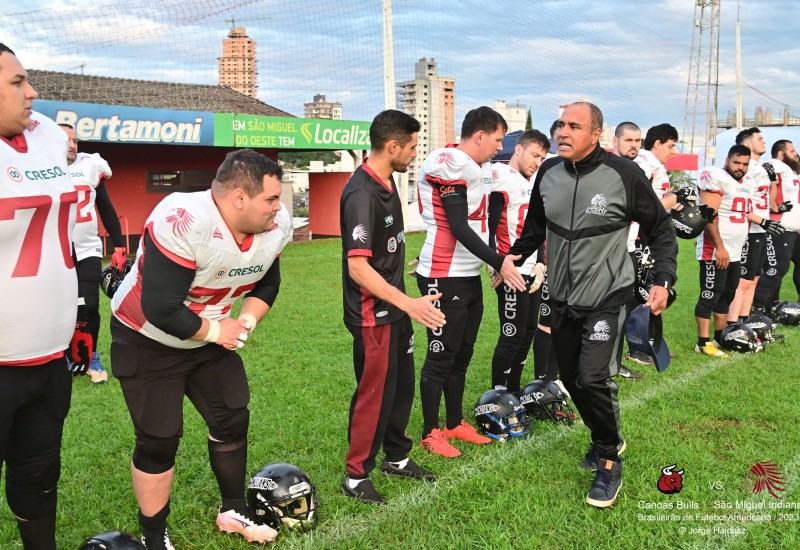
x: 87, y: 171
x: 654, y: 170
x: 788, y: 190
x: 37, y: 275
x: 759, y: 197
x: 188, y: 229
x: 733, y: 209
x: 516, y: 192
x: 442, y: 255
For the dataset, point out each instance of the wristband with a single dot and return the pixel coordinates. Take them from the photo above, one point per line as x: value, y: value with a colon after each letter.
x: 213, y: 332
x: 250, y: 320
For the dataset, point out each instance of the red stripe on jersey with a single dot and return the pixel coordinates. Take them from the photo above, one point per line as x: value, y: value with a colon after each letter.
x: 18, y: 143
x: 359, y: 252
x: 708, y: 249
x: 444, y: 245
x: 367, y: 309
x: 130, y: 309
x: 169, y: 254
x: 440, y: 181
x: 501, y: 236
x: 33, y: 362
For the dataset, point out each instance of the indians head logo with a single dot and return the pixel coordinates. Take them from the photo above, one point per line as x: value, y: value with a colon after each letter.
x: 180, y: 219
x: 447, y: 158
x: 599, y: 201
x: 706, y: 176
x: 670, y: 482
x: 602, y: 326
x: 766, y: 476
x: 360, y: 233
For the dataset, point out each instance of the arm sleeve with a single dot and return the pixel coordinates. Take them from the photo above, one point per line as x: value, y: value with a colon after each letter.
x: 108, y: 214
x: 267, y: 287
x: 656, y: 224
x: 496, y: 206
x: 535, y: 229
x: 455, y: 207
x: 165, y: 285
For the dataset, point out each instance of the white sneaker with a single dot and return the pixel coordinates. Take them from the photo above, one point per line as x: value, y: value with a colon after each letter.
x: 560, y: 384
x: 242, y: 522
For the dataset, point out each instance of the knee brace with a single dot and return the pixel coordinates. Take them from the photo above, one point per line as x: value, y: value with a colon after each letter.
x: 155, y: 456
x: 233, y: 428
x: 32, y: 492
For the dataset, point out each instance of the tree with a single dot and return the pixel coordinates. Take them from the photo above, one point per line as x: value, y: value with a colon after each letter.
x: 529, y: 121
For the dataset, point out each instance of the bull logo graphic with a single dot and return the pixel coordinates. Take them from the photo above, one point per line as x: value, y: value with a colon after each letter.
x: 670, y: 482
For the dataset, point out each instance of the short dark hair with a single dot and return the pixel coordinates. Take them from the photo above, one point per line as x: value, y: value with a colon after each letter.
x: 246, y: 169
x: 595, y: 112
x: 661, y: 132
x: 622, y: 126
x: 746, y: 134
x: 65, y: 125
x: 533, y: 136
x: 553, y: 127
x: 739, y: 150
x: 392, y: 124
x: 483, y: 119
x: 4, y: 48
x: 779, y: 147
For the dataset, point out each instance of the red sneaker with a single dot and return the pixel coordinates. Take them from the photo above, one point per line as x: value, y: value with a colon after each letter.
x: 436, y: 443
x: 467, y: 433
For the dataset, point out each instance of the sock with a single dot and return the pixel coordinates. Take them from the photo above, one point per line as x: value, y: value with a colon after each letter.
x: 38, y: 533
x: 541, y: 353
x: 742, y: 319
x: 229, y: 464
x: 154, y: 526
x: 430, y: 393
x: 402, y: 464
x: 702, y: 341
x: 353, y: 482
x: 717, y: 335
x: 454, y: 399
x: 729, y: 323
x: 500, y: 369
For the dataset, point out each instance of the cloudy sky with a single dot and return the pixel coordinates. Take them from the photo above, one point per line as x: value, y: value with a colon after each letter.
x: 631, y: 58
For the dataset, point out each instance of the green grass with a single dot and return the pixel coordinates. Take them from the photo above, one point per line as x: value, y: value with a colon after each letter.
x: 714, y: 418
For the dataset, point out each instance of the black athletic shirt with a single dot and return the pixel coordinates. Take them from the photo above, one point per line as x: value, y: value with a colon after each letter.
x: 371, y: 220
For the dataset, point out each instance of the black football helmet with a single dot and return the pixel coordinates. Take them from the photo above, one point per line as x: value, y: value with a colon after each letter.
x: 113, y: 540
x: 281, y: 494
x: 111, y: 277
x: 763, y: 327
x: 500, y: 415
x: 688, y: 221
x: 741, y: 338
x: 544, y: 400
x: 645, y: 280
x: 786, y: 313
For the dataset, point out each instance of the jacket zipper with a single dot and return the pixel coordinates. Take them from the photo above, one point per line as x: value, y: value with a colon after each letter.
x: 571, y: 225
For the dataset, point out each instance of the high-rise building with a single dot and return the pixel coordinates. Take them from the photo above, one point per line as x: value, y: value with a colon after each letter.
x: 516, y: 115
x: 430, y: 99
x: 321, y: 108
x: 237, y: 66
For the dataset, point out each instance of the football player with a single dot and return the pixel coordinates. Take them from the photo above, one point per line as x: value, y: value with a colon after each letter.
x: 173, y: 334
x: 89, y: 173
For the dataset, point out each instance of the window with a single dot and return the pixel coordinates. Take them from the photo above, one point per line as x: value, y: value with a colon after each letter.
x: 170, y: 181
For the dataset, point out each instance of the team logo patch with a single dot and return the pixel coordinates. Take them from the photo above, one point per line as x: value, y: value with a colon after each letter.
x: 391, y: 245
x: 388, y: 220
x: 180, y: 219
x: 447, y: 158
x: 401, y: 237
x: 436, y: 346
x: 382, y: 314
x: 221, y: 273
x: 601, y: 331
x: 766, y: 476
x: 360, y: 233
x: 598, y: 206
x: 264, y: 483
x: 671, y: 481
x: 14, y: 174
x: 217, y: 233
x: 509, y: 329
x: 545, y: 309
x: 772, y: 271
x: 707, y: 294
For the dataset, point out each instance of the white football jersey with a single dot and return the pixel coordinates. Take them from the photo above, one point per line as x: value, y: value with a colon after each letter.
x: 759, y: 197
x: 788, y: 190
x: 442, y: 255
x: 733, y: 209
x: 87, y: 171
x: 188, y: 228
x: 37, y: 276
x: 654, y: 170
x: 516, y: 192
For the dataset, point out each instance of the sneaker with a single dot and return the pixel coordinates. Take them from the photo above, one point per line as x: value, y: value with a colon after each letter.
x: 711, y: 348
x: 466, y: 432
x: 411, y: 469
x: 96, y: 371
x: 625, y: 372
x: 560, y: 384
x: 243, y: 522
x: 606, y: 485
x: 639, y: 357
x: 436, y: 443
x: 589, y: 461
x: 364, y: 491
x: 158, y: 542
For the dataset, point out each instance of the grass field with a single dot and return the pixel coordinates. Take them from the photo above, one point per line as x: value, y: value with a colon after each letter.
x: 714, y: 418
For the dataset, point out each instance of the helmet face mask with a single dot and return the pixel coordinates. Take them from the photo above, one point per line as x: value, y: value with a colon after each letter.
x: 281, y: 495
x: 645, y: 280
x: 763, y: 327
x: 544, y: 400
x: 500, y: 415
x: 111, y: 277
x: 741, y: 338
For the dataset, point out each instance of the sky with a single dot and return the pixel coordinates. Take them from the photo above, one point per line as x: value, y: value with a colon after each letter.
x: 630, y: 58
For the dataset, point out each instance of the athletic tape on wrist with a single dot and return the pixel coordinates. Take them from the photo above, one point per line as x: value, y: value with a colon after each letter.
x: 213, y: 332
x: 251, y: 320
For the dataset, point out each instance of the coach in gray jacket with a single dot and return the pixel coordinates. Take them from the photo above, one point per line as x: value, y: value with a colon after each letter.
x: 583, y: 203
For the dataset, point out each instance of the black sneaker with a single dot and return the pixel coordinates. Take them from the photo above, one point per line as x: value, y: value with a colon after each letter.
x: 158, y: 542
x: 639, y: 357
x: 589, y: 461
x: 364, y: 491
x: 625, y: 372
x: 606, y: 484
x: 411, y: 469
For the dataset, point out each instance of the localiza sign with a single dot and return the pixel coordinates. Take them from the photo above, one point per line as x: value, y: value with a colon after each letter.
x: 120, y: 124
x: 231, y: 130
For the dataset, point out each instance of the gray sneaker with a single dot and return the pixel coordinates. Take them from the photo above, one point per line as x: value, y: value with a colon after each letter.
x: 639, y: 357
x: 625, y: 372
x: 606, y: 485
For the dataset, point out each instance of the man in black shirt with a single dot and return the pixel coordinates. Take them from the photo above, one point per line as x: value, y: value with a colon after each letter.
x: 377, y: 312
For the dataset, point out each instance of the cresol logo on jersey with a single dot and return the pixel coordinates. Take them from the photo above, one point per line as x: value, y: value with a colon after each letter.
x: 51, y: 173
x: 238, y: 271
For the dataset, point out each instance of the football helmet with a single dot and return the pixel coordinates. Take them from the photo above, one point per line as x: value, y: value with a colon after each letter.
x: 786, y: 313
x: 500, y: 415
x: 688, y: 221
x: 645, y: 280
x: 544, y: 400
x: 281, y: 494
x: 112, y: 277
x: 740, y: 337
x: 763, y: 327
x: 112, y: 540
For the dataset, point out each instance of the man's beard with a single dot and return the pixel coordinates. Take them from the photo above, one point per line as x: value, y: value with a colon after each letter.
x: 794, y: 164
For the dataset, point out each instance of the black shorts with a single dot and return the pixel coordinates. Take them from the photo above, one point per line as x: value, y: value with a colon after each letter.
x: 155, y: 377
x: 754, y: 254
